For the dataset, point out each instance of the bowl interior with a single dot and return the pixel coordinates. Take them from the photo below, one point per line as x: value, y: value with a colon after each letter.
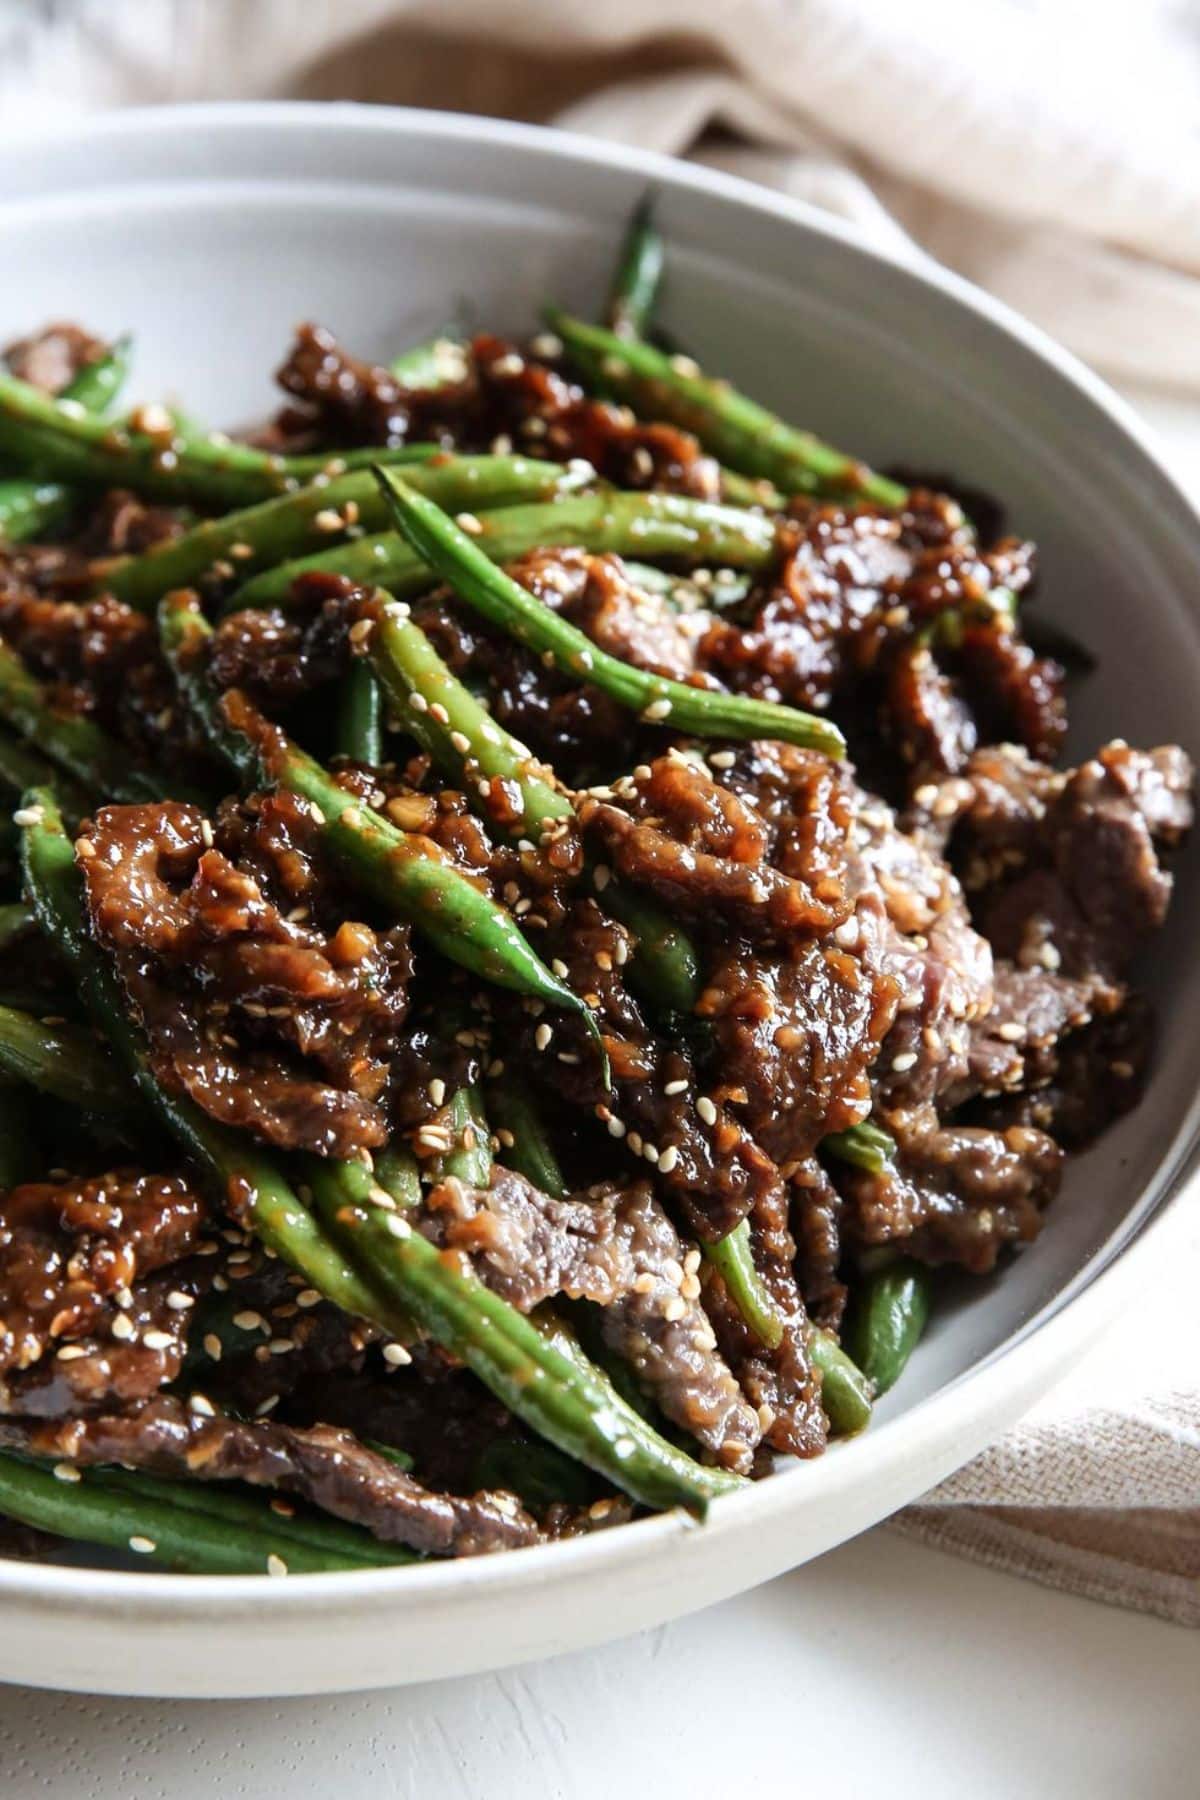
x: 210, y: 242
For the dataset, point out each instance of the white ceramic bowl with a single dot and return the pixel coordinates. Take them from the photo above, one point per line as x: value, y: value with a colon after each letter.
x: 210, y: 231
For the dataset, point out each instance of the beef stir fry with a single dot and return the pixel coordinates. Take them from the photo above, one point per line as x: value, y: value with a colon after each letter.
x: 544, y: 911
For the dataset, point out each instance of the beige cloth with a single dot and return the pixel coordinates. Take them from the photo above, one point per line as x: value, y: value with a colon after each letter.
x: 1048, y: 155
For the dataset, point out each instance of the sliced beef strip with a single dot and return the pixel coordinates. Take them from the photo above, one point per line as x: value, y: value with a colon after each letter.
x: 699, y: 847
x: 1066, y: 872
x: 924, y: 714
x: 320, y: 1464
x: 1015, y: 1044
x: 955, y: 1193
x: 266, y: 1021
x: 795, y: 1037
x: 350, y: 401
x: 1074, y: 1087
x: 816, y: 1221
x: 76, y: 1257
x: 617, y: 1248
x: 712, y: 1169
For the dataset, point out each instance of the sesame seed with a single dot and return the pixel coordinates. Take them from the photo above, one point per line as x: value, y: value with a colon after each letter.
x: 379, y: 1196
x: 657, y: 709
x: 616, y: 1127
x: 547, y: 345
x: 676, y: 1087
x: 72, y: 1352
x: 396, y: 1355
x: 560, y: 968
x: 328, y: 519
x: 542, y: 1036
x: 418, y: 702
x: 675, y: 1309
x: 644, y: 1284
x: 650, y: 1152
x: 1010, y: 1031
x: 1050, y: 957
x: 143, y: 1545
x: 722, y: 759
x: 212, y: 1346
x: 668, y: 1159
x: 706, y: 1110
x: 276, y: 1565
x: 461, y: 742
x: 179, y: 1301
x: 398, y: 1227
x: 281, y: 1346
x: 268, y: 1405
x: 308, y: 1297
x: 466, y: 521
x: 28, y: 815
x: 123, y: 1327
x: 201, y: 1404
x: 906, y: 1060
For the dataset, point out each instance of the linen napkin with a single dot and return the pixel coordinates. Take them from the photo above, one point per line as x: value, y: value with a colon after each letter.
x: 1049, y: 156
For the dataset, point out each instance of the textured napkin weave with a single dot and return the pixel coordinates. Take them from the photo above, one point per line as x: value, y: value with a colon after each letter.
x: 1045, y: 153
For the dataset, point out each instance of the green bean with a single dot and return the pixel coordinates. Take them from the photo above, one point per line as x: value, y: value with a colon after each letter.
x: 67, y: 1062
x: 721, y: 588
x: 21, y: 768
x: 867, y: 1145
x: 891, y: 1309
x: 845, y: 1391
x: 537, y: 1474
x: 733, y: 1259
x: 735, y: 429
x: 358, y: 731
x: 469, y: 1157
x: 309, y: 1530
x: 512, y: 1109
x: 16, y: 922
x: 98, y: 384
x: 36, y: 509
x: 74, y: 741
x: 241, y: 1177
x: 501, y: 600
x: 151, y: 1520
x: 641, y: 525
x: 32, y: 509
x: 439, y: 362
x: 556, y: 1391
x: 18, y: 1153
x: 629, y: 309
x: 316, y: 518
x: 665, y: 966
x: 55, y: 438
x: 403, y: 872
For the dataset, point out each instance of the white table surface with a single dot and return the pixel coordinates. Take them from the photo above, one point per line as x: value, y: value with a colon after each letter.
x: 883, y: 1667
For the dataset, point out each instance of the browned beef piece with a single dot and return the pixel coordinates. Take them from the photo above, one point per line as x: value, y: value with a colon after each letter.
x: 956, y: 1193
x: 1075, y: 1086
x: 350, y: 401
x: 123, y: 525
x: 780, y: 1383
x: 924, y: 714
x: 267, y: 1021
x: 816, y: 1217
x: 321, y: 1464
x: 1012, y: 691
x: 709, y: 1167
x: 70, y: 1249
x: 703, y: 849
x: 617, y: 1248
x: 1015, y: 1044
x: 796, y: 1037
x: 54, y: 356
x: 102, y: 658
x: 1065, y: 869
x: 278, y: 654
x: 510, y: 399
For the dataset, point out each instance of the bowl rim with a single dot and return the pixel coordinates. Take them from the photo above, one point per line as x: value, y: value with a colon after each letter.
x: 1024, y: 1364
